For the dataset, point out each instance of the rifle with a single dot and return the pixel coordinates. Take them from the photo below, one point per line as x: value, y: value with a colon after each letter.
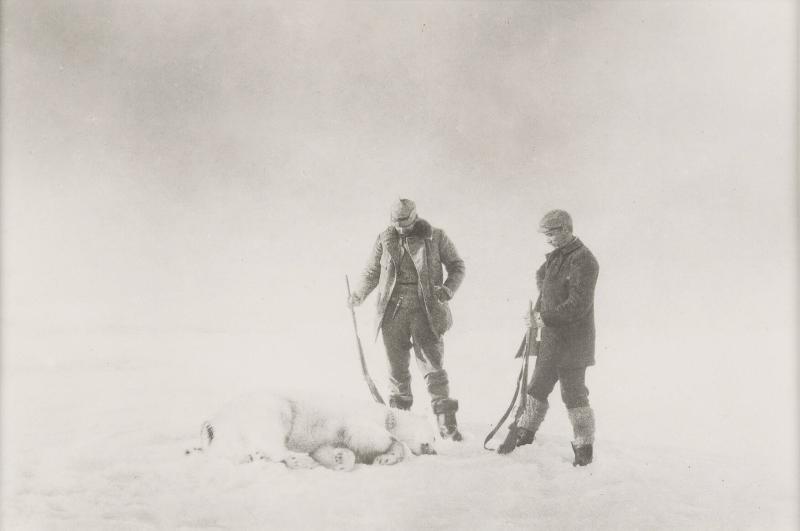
x: 510, y: 441
x: 372, y: 389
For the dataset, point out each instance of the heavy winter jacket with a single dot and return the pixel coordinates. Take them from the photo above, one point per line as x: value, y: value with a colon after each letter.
x: 430, y: 249
x: 566, y: 283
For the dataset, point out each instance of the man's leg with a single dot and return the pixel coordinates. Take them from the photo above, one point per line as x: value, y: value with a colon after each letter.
x: 524, y: 429
x: 429, y: 353
x: 396, y: 332
x: 545, y: 376
x: 576, y: 397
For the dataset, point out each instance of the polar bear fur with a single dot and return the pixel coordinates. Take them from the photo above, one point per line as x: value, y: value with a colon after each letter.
x: 304, y: 431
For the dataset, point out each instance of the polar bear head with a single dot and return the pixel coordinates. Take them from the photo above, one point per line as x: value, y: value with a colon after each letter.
x: 414, y: 431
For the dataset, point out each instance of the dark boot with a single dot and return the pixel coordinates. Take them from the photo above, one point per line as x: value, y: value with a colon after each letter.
x: 524, y: 436
x: 516, y: 437
x: 582, y: 419
x: 523, y: 431
x: 400, y: 402
x: 445, y: 411
x: 448, y: 427
x: 583, y: 454
x: 512, y: 439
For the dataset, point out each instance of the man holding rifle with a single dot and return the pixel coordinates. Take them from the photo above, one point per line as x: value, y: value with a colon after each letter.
x: 565, y: 315
x: 412, y: 307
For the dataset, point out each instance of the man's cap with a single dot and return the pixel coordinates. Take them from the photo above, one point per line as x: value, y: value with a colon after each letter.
x: 403, y: 211
x: 555, y: 219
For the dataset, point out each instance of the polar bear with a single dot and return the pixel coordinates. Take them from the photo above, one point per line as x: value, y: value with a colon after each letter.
x: 305, y: 431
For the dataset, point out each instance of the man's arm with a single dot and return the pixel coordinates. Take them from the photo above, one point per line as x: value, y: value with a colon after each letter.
x: 370, y: 274
x: 539, y: 282
x: 453, y: 264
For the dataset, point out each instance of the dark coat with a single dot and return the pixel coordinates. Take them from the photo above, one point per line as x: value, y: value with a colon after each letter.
x: 427, y: 245
x: 566, y: 283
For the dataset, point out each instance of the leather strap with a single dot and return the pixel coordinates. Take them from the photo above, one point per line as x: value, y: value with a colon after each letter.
x: 522, y: 384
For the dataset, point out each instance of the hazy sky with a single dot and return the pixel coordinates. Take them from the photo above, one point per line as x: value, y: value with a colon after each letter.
x: 182, y: 163
x: 220, y: 166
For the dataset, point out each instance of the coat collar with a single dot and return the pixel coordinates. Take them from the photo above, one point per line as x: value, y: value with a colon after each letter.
x: 422, y: 229
x: 567, y: 249
x: 391, y: 238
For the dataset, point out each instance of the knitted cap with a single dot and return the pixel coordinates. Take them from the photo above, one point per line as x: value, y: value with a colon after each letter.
x: 555, y: 219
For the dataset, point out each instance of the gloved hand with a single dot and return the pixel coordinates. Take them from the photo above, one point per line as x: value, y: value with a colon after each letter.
x: 442, y: 293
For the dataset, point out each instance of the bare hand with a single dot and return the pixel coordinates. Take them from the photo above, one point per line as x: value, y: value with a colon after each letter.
x: 354, y: 300
x: 533, y: 320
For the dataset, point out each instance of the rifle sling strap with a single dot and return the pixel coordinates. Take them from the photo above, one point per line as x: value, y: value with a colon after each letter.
x: 522, y: 384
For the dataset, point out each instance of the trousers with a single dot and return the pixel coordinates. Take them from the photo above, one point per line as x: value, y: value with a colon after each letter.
x: 546, y: 373
x: 404, y: 322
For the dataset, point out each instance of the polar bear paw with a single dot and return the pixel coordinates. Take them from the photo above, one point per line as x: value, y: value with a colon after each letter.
x: 335, y: 458
x: 392, y: 456
x: 387, y: 459
x: 295, y: 461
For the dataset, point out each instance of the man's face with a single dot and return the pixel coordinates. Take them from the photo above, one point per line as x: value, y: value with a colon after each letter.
x: 404, y: 225
x: 558, y: 236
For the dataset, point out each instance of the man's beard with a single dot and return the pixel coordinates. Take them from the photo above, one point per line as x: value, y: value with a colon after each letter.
x: 404, y: 231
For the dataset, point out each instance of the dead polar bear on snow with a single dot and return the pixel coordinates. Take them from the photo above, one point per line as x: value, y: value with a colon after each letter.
x: 303, y: 431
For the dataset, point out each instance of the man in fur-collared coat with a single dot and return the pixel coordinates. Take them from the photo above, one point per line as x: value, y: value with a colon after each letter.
x: 412, y: 306
x: 565, y: 315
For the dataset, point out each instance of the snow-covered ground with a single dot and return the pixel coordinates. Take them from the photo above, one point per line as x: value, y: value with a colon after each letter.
x: 97, y: 442
x: 184, y: 188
